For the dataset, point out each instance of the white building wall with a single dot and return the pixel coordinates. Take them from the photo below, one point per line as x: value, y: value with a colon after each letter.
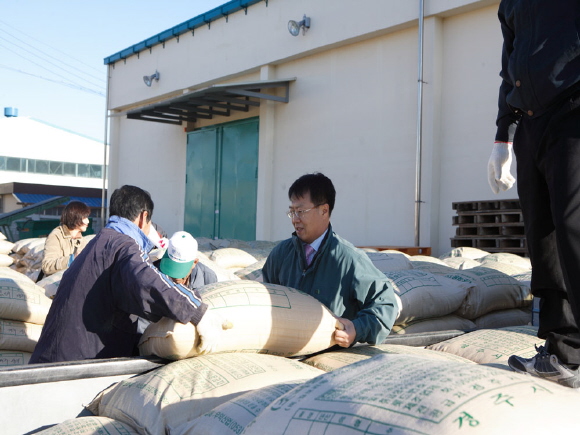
x: 352, y: 112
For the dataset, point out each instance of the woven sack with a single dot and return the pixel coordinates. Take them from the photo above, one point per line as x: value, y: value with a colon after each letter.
x: 50, y: 283
x: 6, y: 260
x: 492, y: 345
x: 22, y: 300
x: 507, y: 258
x: 504, y: 318
x: 425, y: 295
x: 461, y: 262
x: 21, y: 336
x: 444, y: 323
x: 266, y: 318
x: 90, y: 426
x: 253, y: 272
x: 184, y: 390
x: 10, y: 358
x: 408, y: 394
x: 222, y: 273
x: 6, y: 246
x: 466, y: 252
x: 233, y: 416
x: 333, y: 360
x: 492, y: 290
x: 389, y: 262
x: 434, y: 268
x: 232, y: 258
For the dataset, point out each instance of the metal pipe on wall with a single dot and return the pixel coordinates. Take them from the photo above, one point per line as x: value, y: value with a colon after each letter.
x: 105, y: 143
x: 419, y: 129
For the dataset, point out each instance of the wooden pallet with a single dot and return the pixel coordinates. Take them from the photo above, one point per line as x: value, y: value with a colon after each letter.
x: 493, y: 226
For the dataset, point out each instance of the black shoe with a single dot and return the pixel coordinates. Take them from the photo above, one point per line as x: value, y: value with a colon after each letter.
x: 547, y: 366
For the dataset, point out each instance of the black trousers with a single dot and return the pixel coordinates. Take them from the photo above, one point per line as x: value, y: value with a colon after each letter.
x: 547, y: 150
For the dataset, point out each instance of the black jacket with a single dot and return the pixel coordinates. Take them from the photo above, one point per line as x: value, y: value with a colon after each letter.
x: 540, y: 59
x: 108, y: 284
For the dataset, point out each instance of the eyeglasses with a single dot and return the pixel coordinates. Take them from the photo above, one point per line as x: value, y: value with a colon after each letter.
x: 299, y: 214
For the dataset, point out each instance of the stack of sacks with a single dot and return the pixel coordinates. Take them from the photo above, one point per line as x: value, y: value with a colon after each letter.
x: 27, y: 254
x: 5, y: 251
x: 167, y: 399
x: 23, y: 311
x: 427, y: 301
x: 266, y: 318
x: 498, y: 295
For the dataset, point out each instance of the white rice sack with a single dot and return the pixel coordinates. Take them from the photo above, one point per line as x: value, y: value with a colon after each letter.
x: 445, y: 323
x: 461, y: 262
x: 492, y: 291
x: 426, y: 258
x: 508, y: 258
x: 425, y: 295
x: 507, y: 268
x: 6, y: 260
x: 232, y: 417
x: 8, y: 272
x: 504, y: 318
x: 232, y: 258
x: 2, y: 236
x: 253, y: 272
x: 11, y: 358
x: 50, y: 283
x: 466, y: 252
x: 23, y: 301
x: 266, y: 318
x: 434, y: 268
x: 409, y: 394
x: 222, y: 273
x: 90, y: 426
x: 493, y: 345
x: 389, y: 262
x: 524, y: 278
x: 6, y: 246
x: 24, y: 245
x: 333, y: 360
x: 181, y: 391
x: 16, y: 335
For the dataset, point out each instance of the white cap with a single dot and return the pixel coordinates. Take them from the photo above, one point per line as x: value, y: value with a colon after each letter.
x: 180, y: 255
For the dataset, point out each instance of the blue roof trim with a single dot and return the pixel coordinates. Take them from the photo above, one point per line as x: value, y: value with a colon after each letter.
x: 201, y: 20
x: 33, y: 198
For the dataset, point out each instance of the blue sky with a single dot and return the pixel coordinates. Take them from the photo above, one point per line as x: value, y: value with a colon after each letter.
x: 51, y: 53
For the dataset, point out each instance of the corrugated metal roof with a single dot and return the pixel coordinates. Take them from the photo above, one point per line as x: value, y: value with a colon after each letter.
x: 33, y: 198
x: 201, y: 20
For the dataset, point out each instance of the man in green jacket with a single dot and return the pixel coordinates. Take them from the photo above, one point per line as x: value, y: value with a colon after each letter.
x: 319, y: 262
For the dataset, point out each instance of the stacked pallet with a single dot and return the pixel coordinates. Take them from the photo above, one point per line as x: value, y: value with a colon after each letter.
x: 494, y: 226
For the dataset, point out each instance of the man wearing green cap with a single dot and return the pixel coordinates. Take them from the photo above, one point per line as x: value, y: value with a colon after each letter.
x: 181, y: 262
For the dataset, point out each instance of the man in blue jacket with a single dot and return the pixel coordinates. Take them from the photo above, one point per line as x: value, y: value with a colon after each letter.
x: 111, y: 282
x: 540, y: 95
x: 319, y: 262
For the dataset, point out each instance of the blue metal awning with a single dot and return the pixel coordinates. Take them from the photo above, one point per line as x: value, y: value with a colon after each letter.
x: 33, y: 198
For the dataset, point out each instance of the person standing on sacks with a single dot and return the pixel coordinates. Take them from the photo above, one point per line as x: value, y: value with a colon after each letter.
x: 111, y: 282
x: 319, y: 262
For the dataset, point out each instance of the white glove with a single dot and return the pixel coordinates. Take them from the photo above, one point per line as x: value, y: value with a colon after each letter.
x: 498, y: 167
x: 210, y: 329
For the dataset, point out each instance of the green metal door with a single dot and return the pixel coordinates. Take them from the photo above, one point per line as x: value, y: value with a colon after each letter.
x: 221, y: 182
